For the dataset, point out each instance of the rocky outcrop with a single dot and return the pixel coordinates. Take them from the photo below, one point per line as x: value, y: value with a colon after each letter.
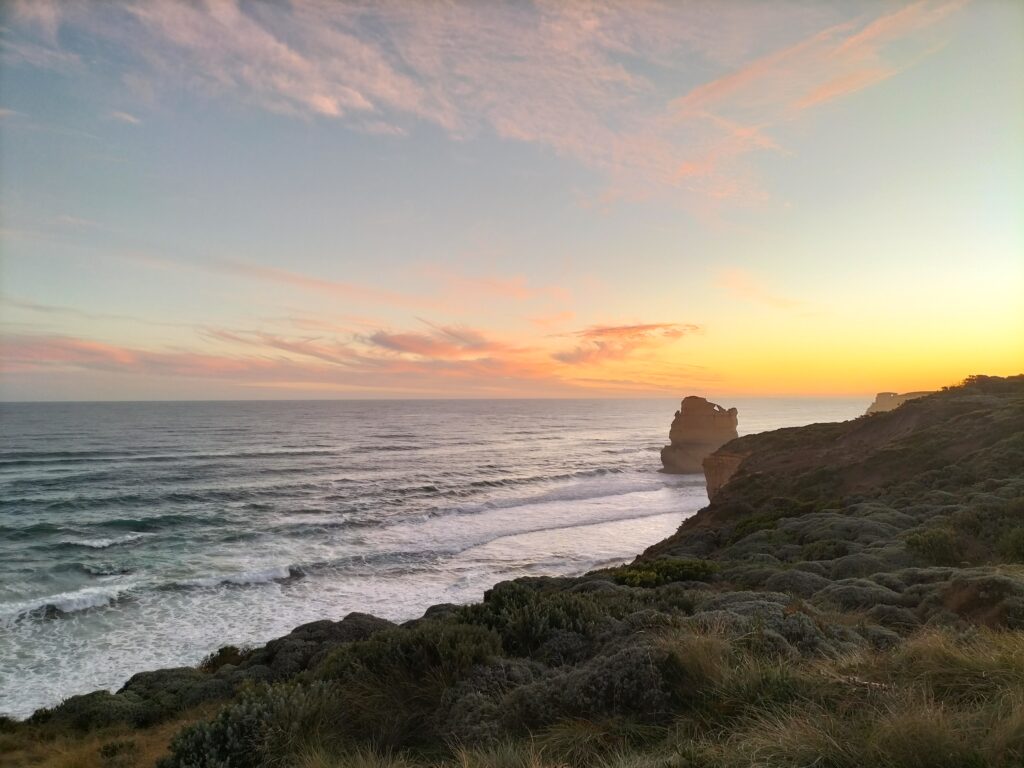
x: 698, y: 429
x: 719, y: 467
x: 837, y: 491
x: 887, y: 401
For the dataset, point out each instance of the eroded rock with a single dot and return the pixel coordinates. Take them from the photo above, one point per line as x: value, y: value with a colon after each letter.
x: 698, y: 429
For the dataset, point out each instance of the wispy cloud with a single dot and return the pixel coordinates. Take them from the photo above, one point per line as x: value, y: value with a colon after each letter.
x: 573, y: 77
x: 600, y: 344
x: 81, y: 314
x: 439, y: 289
x: 124, y: 117
x: 440, y: 343
x: 443, y: 359
x: 77, y: 222
x: 338, y: 288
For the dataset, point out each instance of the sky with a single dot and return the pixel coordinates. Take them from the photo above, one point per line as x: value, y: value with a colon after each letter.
x: 207, y: 200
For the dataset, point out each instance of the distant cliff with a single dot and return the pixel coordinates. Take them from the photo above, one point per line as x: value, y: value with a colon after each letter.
x: 887, y: 401
x: 699, y: 428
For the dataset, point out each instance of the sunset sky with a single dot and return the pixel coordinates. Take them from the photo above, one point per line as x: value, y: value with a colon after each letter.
x: 445, y: 199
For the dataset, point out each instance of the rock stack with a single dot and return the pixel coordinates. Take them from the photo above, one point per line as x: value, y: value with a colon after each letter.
x: 698, y: 429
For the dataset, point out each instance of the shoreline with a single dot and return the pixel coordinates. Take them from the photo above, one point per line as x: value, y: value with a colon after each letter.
x: 851, y: 583
x: 595, y: 529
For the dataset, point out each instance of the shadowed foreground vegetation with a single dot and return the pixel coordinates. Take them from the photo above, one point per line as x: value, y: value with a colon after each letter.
x: 853, y: 597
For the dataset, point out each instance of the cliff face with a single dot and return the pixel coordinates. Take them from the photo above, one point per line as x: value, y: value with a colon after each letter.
x: 948, y: 444
x: 699, y: 427
x: 888, y: 401
x: 719, y: 467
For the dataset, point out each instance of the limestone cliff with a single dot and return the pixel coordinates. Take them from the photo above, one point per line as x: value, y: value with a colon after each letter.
x: 719, y: 467
x: 698, y: 429
x: 964, y: 436
x: 887, y: 401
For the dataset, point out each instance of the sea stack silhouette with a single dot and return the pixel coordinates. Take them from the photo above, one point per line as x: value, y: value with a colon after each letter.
x: 699, y: 428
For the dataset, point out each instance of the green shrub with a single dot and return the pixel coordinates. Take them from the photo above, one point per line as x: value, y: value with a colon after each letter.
x: 937, y: 546
x: 444, y: 649
x: 228, y: 654
x: 259, y: 726
x: 777, y: 509
x: 98, y: 709
x: 825, y: 549
x: 1011, y: 546
x: 628, y: 682
x: 121, y: 753
x: 526, y: 618
x: 656, y: 573
x: 391, y: 686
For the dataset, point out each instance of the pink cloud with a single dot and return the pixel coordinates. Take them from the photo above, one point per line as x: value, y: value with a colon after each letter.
x: 836, y: 61
x: 618, y: 342
x: 555, y: 74
x: 329, y: 351
x: 46, y: 352
x: 442, y: 360
x: 441, y: 343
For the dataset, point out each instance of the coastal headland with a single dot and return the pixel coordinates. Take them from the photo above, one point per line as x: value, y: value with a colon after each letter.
x: 852, y: 595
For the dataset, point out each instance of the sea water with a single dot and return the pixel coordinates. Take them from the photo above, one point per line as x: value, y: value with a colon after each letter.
x: 135, y: 536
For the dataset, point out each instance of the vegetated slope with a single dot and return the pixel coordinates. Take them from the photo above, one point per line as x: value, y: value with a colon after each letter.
x: 926, y: 501
x: 851, y: 598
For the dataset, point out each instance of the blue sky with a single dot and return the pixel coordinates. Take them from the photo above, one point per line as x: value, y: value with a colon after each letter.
x: 508, y: 199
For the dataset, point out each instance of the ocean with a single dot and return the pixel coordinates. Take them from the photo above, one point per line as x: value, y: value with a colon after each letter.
x: 135, y: 536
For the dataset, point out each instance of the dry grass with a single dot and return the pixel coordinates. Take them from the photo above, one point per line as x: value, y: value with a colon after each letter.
x: 1004, y: 739
x: 363, y: 757
x: 804, y: 737
x: 939, y: 700
x: 521, y: 754
x: 963, y: 670
x: 116, y: 747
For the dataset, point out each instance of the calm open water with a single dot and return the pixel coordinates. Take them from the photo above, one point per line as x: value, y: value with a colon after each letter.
x: 135, y: 536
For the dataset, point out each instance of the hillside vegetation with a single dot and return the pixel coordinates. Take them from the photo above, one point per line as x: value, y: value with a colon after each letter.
x: 853, y: 597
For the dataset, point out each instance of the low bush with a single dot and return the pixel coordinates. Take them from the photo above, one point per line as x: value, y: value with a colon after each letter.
x: 525, y: 618
x: 937, y: 546
x: 656, y: 573
x: 392, y: 685
x: 120, y: 753
x: 1011, y: 545
x: 825, y: 549
x: 258, y: 727
x: 628, y: 681
x: 228, y: 654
